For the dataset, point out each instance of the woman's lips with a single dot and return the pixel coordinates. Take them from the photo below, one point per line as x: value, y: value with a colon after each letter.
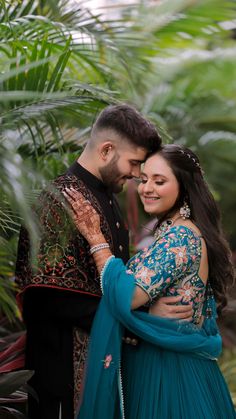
x: 150, y: 199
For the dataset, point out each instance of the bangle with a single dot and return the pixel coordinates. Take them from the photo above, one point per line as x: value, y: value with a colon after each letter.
x: 98, y: 247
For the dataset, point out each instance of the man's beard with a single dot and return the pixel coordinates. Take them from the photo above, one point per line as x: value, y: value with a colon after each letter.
x: 111, y: 175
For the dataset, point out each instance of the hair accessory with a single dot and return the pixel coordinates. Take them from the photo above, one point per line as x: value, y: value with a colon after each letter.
x: 98, y: 247
x: 185, y: 211
x: 197, y: 164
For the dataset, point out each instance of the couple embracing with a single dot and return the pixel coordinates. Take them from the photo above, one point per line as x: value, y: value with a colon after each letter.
x: 154, y: 340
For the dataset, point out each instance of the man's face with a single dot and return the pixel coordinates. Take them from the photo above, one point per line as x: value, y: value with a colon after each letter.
x: 124, y: 164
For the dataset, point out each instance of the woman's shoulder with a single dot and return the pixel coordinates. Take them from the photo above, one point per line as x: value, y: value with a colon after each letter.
x: 182, y: 235
x: 185, y: 229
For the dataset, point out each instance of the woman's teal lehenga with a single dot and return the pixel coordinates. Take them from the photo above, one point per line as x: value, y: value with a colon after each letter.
x: 162, y: 384
x: 172, y: 373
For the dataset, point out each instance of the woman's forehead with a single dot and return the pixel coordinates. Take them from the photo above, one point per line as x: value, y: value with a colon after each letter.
x: 156, y: 165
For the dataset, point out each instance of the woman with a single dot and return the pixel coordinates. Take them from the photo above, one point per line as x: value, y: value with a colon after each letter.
x: 172, y: 373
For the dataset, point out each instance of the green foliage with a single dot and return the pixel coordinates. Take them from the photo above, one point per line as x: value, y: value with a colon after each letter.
x: 228, y: 368
x: 13, y: 381
x: 190, y: 88
x: 52, y: 84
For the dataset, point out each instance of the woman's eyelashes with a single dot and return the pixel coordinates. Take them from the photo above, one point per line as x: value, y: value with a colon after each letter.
x: 157, y: 182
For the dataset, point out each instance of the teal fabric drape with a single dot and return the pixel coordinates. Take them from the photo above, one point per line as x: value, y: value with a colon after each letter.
x: 102, y: 394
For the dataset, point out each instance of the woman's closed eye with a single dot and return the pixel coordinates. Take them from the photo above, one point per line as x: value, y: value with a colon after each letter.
x: 157, y: 182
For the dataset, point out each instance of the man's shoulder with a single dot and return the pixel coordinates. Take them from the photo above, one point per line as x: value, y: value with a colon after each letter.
x: 51, y: 194
x: 65, y: 180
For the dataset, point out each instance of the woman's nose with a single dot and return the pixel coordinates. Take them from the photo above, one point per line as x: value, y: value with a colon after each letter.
x: 148, y: 186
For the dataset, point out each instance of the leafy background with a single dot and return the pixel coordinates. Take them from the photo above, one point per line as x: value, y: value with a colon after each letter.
x: 61, y: 63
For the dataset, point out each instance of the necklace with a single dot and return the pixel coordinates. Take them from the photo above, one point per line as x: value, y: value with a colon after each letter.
x: 164, y: 227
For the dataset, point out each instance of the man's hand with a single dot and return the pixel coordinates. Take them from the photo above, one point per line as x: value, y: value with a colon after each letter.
x: 166, y: 307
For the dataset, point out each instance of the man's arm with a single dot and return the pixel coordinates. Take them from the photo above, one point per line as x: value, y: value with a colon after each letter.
x: 166, y: 307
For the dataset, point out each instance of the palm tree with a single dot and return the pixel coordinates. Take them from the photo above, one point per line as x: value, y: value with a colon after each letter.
x: 52, y: 83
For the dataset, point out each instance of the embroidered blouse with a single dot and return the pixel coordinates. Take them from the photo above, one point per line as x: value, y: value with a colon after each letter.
x: 170, y: 266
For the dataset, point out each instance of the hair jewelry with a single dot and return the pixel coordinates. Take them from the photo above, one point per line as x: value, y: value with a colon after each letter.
x: 197, y: 164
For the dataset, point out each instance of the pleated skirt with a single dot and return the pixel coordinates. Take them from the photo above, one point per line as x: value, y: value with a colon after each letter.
x: 160, y: 384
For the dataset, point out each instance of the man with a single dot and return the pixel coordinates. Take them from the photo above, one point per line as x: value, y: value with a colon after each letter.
x: 61, y: 291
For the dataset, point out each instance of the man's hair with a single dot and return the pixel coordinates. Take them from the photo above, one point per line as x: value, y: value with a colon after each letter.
x: 127, y: 122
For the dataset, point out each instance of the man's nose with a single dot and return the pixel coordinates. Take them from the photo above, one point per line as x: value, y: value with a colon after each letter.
x: 136, y: 171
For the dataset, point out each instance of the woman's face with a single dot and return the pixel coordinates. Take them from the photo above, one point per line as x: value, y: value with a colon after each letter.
x: 159, y: 188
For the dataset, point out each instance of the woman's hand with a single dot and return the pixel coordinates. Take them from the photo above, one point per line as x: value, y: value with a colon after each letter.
x: 85, y: 217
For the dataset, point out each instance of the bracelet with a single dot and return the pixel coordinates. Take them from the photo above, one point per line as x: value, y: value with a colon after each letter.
x: 98, y: 247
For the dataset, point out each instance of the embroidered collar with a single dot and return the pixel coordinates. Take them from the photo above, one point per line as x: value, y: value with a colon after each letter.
x: 163, y: 228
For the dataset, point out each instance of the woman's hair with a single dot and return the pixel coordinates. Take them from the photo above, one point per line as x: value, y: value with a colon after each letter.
x: 194, y: 190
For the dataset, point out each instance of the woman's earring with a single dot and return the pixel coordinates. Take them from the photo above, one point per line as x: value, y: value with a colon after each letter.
x: 185, y: 211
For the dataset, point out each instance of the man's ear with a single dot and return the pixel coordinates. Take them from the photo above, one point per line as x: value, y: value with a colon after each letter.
x: 106, y: 149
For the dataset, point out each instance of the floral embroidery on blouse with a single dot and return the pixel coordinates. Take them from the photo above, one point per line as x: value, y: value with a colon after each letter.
x: 169, y: 267
x: 181, y: 256
x: 145, y: 275
x: 187, y: 290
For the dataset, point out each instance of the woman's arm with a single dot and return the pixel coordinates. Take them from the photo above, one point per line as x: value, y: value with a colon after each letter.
x: 87, y: 222
x: 140, y: 298
x: 150, y: 283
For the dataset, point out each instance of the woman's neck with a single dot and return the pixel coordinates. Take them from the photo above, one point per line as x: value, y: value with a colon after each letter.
x: 170, y: 217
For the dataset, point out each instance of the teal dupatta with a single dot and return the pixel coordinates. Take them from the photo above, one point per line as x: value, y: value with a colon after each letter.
x: 102, y: 386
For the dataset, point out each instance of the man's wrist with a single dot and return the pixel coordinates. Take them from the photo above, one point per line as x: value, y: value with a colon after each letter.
x: 94, y: 241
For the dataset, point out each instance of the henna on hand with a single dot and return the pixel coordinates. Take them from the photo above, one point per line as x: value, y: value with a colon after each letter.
x: 85, y: 217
